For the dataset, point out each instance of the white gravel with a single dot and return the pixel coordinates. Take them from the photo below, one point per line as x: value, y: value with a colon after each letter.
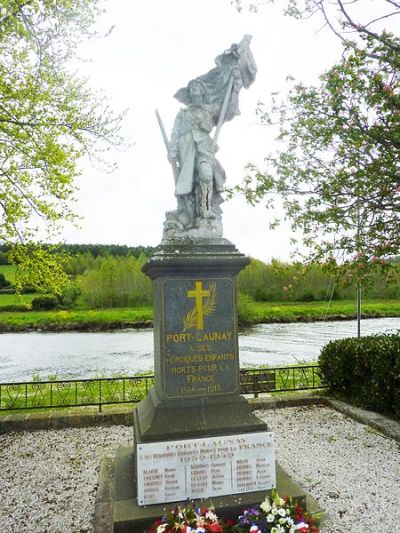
x: 350, y: 469
x: 48, y: 479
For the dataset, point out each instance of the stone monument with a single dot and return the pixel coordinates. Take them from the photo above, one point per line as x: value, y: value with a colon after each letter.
x: 197, y: 432
x: 195, y: 435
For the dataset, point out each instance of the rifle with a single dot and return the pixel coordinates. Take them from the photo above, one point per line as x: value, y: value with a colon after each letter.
x: 171, y: 159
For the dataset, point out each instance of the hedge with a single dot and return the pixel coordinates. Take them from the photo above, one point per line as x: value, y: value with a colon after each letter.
x: 366, y: 370
x: 44, y: 303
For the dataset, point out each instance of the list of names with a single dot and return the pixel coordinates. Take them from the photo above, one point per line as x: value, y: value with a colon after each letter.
x: 201, y: 468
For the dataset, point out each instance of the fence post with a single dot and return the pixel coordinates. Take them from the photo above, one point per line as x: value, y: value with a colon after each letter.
x: 99, y: 396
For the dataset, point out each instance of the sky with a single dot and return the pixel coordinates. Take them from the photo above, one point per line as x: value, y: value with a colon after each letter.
x: 155, y: 48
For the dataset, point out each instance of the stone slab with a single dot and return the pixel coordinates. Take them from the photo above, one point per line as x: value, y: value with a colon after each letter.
x: 198, y: 336
x: 213, y: 466
x: 129, y: 517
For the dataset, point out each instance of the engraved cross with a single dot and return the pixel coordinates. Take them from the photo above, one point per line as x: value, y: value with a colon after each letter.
x: 199, y: 293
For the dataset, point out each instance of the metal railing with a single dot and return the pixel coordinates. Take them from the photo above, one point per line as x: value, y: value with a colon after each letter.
x: 119, y: 390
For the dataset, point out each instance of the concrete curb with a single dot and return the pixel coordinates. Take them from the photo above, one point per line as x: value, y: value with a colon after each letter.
x: 386, y: 426
x: 60, y: 420
x: 71, y: 419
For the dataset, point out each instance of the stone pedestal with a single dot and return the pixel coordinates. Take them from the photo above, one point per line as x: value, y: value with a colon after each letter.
x: 196, y: 356
x: 120, y: 480
x: 195, y: 405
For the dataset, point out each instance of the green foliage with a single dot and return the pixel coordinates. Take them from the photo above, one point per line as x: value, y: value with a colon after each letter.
x: 15, y: 307
x: 365, y: 370
x: 337, y: 171
x: 280, y: 281
x: 107, y: 249
x: 3, y: 258
x: 116, y: 282
x: 246, y: 312
x: 44, y: 303
x: 4, y: 283
x: 307, y: 296
x: 69, y: 295
x: 39, y: 267
x: 7, y: 291
x: 48, y: 120
x: 11, y: 301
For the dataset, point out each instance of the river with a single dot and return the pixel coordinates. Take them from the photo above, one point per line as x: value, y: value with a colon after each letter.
x: 79, y: 355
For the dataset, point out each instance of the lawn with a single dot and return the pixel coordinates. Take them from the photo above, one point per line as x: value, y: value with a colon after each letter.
x: 96, y: 319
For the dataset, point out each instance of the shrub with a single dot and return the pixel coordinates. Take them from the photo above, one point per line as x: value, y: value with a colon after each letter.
x: 365, y: 370
x: 4, y: 283
x: 3, y: 258
x: 246, y: 312
x: 44, y: 303
x: 307, y: 296
x: 15, y: 307
x: 11, y: 290
x: 27, y: 289
x: 69, y: 296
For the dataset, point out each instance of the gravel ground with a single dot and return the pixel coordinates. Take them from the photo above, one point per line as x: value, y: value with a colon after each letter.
x: 48, y: 479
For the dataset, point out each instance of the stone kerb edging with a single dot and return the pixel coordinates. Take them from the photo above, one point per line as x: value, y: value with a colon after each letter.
x: 69, y: 419
x: 59, y: 420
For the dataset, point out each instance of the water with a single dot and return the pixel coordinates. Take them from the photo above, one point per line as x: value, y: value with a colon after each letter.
x: 78, y: 355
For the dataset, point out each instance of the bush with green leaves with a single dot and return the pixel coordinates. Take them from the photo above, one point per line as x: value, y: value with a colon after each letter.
x: 246, y: 313
x: 365, y: 370
x: 44, y: 303
x: 4, y: 282
x: 15, y: 307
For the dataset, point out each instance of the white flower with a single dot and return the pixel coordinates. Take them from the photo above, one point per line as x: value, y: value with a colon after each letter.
x: 301, y: 525
x: 266, y: 505
x: 274, y: 530
x: 282, y: 512
x: 282, y: 502
x: 274, y: 511
x: 161, y: 528
x: 282, y: 521
x: 211, y: 516
x: 270, y: 518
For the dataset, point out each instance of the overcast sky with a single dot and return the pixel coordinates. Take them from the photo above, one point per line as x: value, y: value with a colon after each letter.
x: 155, y: 48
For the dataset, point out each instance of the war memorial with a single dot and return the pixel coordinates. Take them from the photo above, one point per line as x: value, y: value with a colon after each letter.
x: 195, y: 436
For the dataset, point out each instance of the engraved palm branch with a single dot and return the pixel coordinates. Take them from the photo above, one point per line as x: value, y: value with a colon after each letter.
x: 209, y: 306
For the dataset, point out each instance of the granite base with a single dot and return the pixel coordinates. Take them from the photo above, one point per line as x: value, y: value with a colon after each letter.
x: 117, y: 509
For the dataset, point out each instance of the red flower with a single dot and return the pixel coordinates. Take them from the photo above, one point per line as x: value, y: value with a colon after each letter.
x: 214, y: 528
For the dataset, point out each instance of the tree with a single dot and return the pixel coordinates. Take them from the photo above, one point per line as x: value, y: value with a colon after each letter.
x: 338, y: 172
x: 48, y: 120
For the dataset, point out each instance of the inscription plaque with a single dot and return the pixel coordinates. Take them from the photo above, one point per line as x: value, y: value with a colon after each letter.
x: 201, y: 468
x: 199, y: 345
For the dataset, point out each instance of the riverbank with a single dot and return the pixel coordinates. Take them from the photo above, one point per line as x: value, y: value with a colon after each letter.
x: 141, y: 317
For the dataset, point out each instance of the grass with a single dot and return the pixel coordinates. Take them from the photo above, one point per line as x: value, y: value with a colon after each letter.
x: 74, y: 320
x: 338, y: 309
x: 8, y: 271
x: 12, y: 299
x: 98, y: 319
